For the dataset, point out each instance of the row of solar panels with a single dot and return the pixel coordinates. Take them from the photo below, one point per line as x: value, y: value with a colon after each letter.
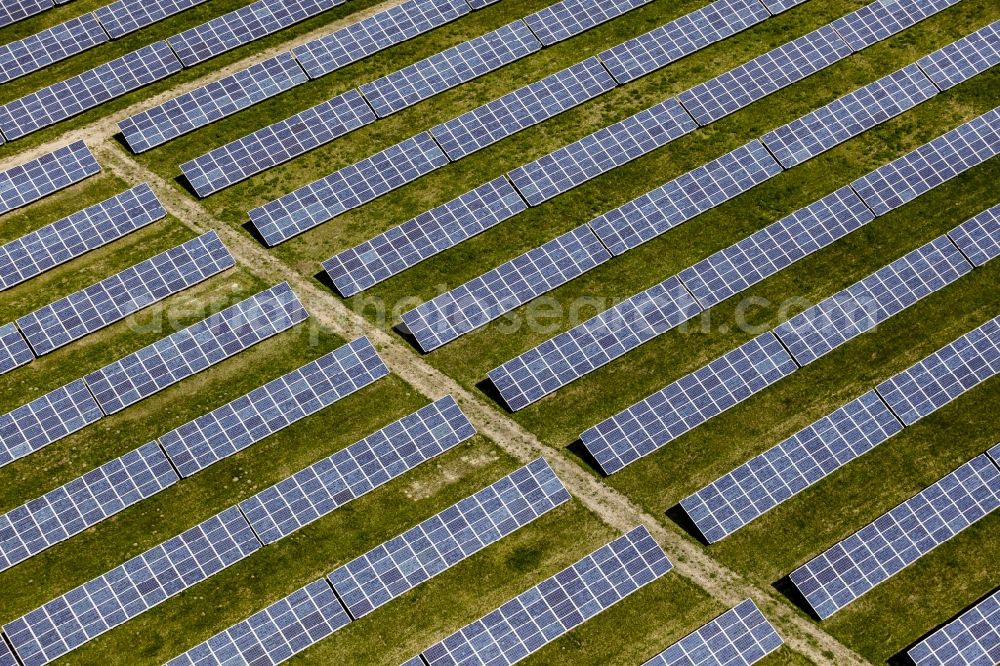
x: 18, y: 10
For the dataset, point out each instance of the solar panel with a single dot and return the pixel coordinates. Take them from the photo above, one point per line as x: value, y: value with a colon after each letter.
x: 45, y: 420
x: 376, y: 33
x: 687, y: 403
x: 926, y: 167
x: 739, y: 637
x: 423, y: 236
x: 449, y: 68
x: 778, y: 6
x: 558, y: 604
x: 242, y: 26
x: 594, y: 343
x: 7, y: 656
x: 880, y: 20
x: 276, y: 405
x: 14, y: 350
x: 972, y: 638
x: 276, y: 633
x: 964, y: 58
x: 350, y: 187
x: 191, y: 350
x: 869, y: 302
x: 523, y: 108
x: 849, y: 116
x: 876, y: 552
x: 13, y: 11
x: 776, y: 246
x: 112, y: 299
x: 319, y: 489
x: 48, y: 46
x: 946, y: 374
x: 72, y: 236
x: 484, y: 298
x: 82, y: 503
x: 571, y: 17
x: 758, y: 78
x: 672, y: 41
x: 995, y: 454
x: 145, y: 581
x: 607, y: 148
x: 125, y: 16
x: 211, y: 102
x: 734, y: 500
x: 685, y: 197
x: 277, y: 143
x: 28, y: 182
x: 92, y: 88
x: 443, y: 540
x: 979, y: 237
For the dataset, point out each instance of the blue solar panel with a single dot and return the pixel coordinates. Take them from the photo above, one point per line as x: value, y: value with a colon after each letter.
x: 14, y: 349
x: 971, y: 639
x: 979, y: 237
x: 125, y: 16
x: 571, y: 17
x: 995, y: 454
x: 28, y: 182
x: 319, y: 489
x: 48, y: 46
x: 778, y: 6
x: 687, y: 403
x: 12, y: 11
x: 964, y: 58
x: 882, y: 19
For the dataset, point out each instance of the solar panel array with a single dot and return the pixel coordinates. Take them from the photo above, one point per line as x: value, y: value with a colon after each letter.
x: 739, y: 637
x: 964, y: 58
x: 276, y: 405
x: 114, y: 298
x: 350, y: 187
x: 319, y: 489
x: 523, y: 108
x: 211, y: 102
x: 125, y: 16
x: 550, y: 609
x: 594, y: 343
x: 483, y: 299
x: 687, y: 403
x: 979, y: 237
x: 48, y: 46
x: 944, y: 375
x: 7, y: 656
x: 972, y: 638
x: 14, y: 349
x: 449, y: 68
x: 995, y: 454
x: 28, y: 182
x: 879, y: 20
x: 199, y: 346
x: 876, y: 552
x: 775, y: 476
x: 445, y: 539
x: 82, y: 503
x: 147, y: 580
x: 17, y: 10
x: 849, y: 116
x: 691, y: 194
x: 571, y: 17
x: 423, y: 236
x: 778, y: 6
x: 72, y: 236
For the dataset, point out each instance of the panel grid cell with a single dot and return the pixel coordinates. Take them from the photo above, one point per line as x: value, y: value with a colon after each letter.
x: 126, y: 16
x: 882, y: 19
x: 568, y: 18
x: 972, y: 638
x: 13, y: 11
x: 688, y: 402
x: 778, y: 6
x: 48, y: 46
x: 979, y: 237
x: 14, y: 349
x: 964, y: 58
x: 28, y: 182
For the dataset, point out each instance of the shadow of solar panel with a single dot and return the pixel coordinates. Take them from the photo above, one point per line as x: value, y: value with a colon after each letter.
x: 114, y: 298
x: 276, y: 405
x: 449, y: 68
x: 82, y: 503
x: 672, y: 41
x: 145, y: 581
x: 963, y: 59
x: 211, y: 102
x: 971, y: 638
x: 350, y: 187
x: 85, y: 91
x: 483, y: 299
x: 758, y: 78
x: 685, y: 404
x: 13, y: 11
x: 880, y: 20
x: 946, y: 374
x: 607, y: 148
x: 897, y: 539
x: 277, y: 143
x: 557, y: 605
x: 783, y: 471
x: 45, y: 420
x: 739, y: 637
x: 442, y: 541
x: 199, y: 346
x: 594, y: 343
x: 926, y: 167
x: 423, y: 236
x: 319, y: 489
x: 276, y: 633
x: 778, y: 6
x: 523, y: 108
x: 125, y: 16
x: 376, y: 33
x: 979, y: 237
x: 571, y: 17
x: 14, y: 350
x: 685, y: 197
x: 70, y: 237
x: 28, y: 182
x: 849, y: 116
x: 48, y: 46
